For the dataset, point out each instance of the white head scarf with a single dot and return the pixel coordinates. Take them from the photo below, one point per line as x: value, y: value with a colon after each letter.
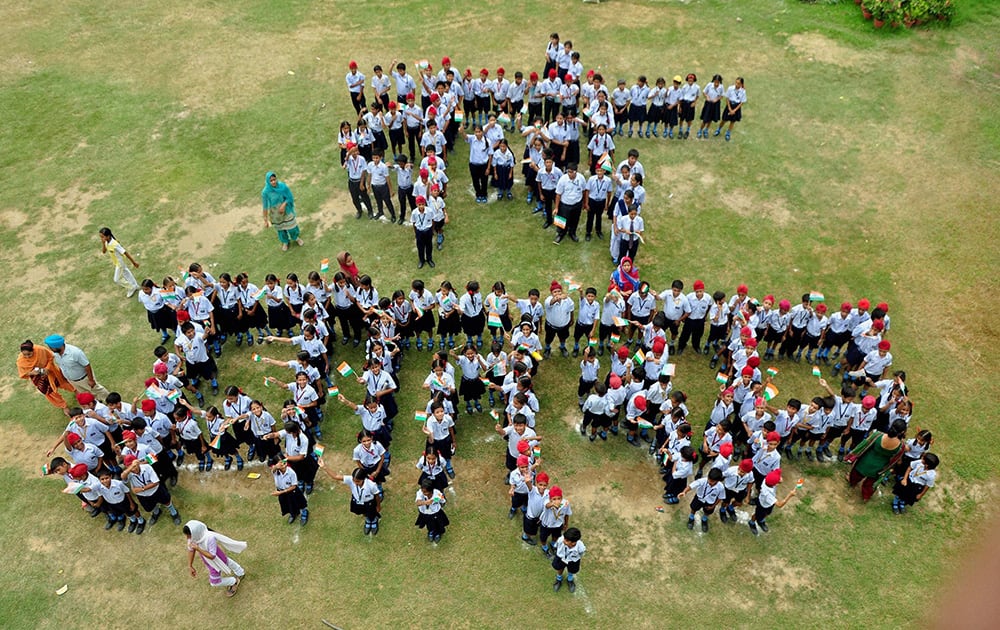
x: 200, y: 536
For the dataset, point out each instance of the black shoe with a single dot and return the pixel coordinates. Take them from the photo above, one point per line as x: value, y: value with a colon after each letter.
x: 691, y: 524
x: 587, y: 238
x: 600, y: 236
x: 155, y: 516
x: 557, y: 585
x: 109, y: 524
x: 546, y: 225
x: 571, y: 586
x: 177, y: 518
x: 139, y: 529
x: 704, y: 525
x: 762, y: 525
x: 291, y: 519
x: 724, y: 515
x: 420, y: 265
x: 574, y: 238
x: 121, y: 524
x: 430, y: 263
x: 131, y: 526
x: 576, y: 352
x: 557, y: 240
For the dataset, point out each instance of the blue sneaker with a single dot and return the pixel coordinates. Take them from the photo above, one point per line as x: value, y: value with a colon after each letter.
x: 727, y: 140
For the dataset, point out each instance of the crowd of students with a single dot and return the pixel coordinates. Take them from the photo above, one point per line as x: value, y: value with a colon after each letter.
x: 485, y: 348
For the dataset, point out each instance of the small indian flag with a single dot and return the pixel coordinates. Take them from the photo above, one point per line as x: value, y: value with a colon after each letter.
x: 495, y: 414
x: 620, y: 322
x: 73, y: 488
x: 324, y: 265
x: 770, y: 392
x: 721, y: 378
x: 499, y: 369
x: 150, y: 459
x: 215, y: 443
x: 798, y: 484
x: 344, y: 369
x: 151, y: 392
x: 522, y: 348
x: 184, y: 273
x: 645, y: 424
x: 420, y: 416
x: 171, y: 297
x: 615, y: 337
x: 197, y: 294
x: 419, y: 311
x: 559, y: 221
x: 639, y: 357
x: 436, y: 383
x: 256, y: 358
x: 45, y: 470
x: 503, y: 119
x: 592, y: 342
x: 267, y: 382
x: 773, y: 371
x: 318, y: 450
x: 493, y: 321
x: 446, y: 300
x: 174, y: 395
x: 333, y: 390
x: 261, y: 293
x: 816, y: 296
x: 536, y: 452
x: 459, y: 117
x: 485, y: 380
x: 816, y: 371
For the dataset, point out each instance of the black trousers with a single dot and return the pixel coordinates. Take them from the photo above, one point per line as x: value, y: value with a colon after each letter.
x: 693, y: 330
x: 479, y: 179
x: 425, y: 245
x: 359, y: 196
x: 594, y: 211
x: 384, y: 197
x: 571, y: 212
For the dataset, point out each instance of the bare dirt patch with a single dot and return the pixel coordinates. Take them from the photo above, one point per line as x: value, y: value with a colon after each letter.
x: 332, y: 212
x: 746, y: 204
x: 817, y: 47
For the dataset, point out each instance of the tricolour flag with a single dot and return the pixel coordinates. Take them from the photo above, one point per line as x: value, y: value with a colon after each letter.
x: 817, y: 372
x: 333, y: 390
x: 261, y: 293
x: 503, y: 119
x: 721, y: 378
x: 493, y: 321
x: 536, y: 452
x: 45, y: 470
x: 615, y: 337
x: 73, y: 488
x: 798, y: 484
x: 420, y: 416
x: 770, y: 392
x: 174, y: 395
x: 499, y: 369
x: 437, y: 383
x: 267, y: 382
x: 559, y: 221
x: 816, y: 296
x: 216, y: 442
x: 344, y: 369
x: 324, y: 265
x: 639, y: 357
x: 773, y: 371
x: 459, y: 117
x: 592, y: 342
x: 419, y: 311
x: 318, y: 450
x: 645, y: 424
x: 621, y: 322
x: 150, y: 459
x: 495, y: 414
x: 485, y: 381
x: 256, y: 358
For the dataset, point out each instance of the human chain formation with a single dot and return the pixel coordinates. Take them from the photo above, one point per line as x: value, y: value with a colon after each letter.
x: 122, y: 453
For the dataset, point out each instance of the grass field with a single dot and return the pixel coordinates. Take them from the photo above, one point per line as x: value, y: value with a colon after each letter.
x: 865, y: 167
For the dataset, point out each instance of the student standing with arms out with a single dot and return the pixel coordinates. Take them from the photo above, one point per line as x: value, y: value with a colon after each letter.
x: 118, y: 254
x: 279, y: 210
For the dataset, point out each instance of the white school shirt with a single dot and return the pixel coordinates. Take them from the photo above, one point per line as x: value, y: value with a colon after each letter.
x: 413, y: 115
x: 313, y: 346
x: 682, y: 467
x: 733, y: 480
x: 920, y: 475
x: 514, y: 438
x: 658, y: 96
x: 817, y: 324
x: 597, y: 405
x: 188, y: 428
x: 261, y: 425
x: 779, y: 321
x: 206, y: 283
x: 536, y: 502
x: 673, y: 95
x: 568, y: 94
x: 570, y: 554
x: 558, y: 314
x: 148, y: 439
x: 368, y: 458
x: 720, y: 411
x: 432, y: 508
x: 199, y: 308
x: 195, y: 350
x: 439, y: 428
x: 630, y: 228
x: 657, y: 394
x: 784, y: 423
x: 479, y: 149
x: 364, y: 493
x: 367, y: 298
x: 393, y: 119
x: 690, y: 91
x: 619, y: 367
x: 227, y: 297
x: 800, y: 316
x: 598, y: 187
x: 764, y: 462
x: 92, y: 431
x: 844, y: 412
x: 875, y: 364
x: 285, y: 480
x: 638, y: 95
x: 641, y: 306
x: 555, y: 516
x: 652, y: 365
x: 516, y: 479
x: 427, y: 469
x: 620, y: 97
x: 425, y: 300
x: 355, y: 82
x: 294, y: 294
x: 589, y: 369
x: 404, y: 176
x: 839, y: 323
x: 294, y: 445
x: 612, y: 309
x: 588, y: 312
x: 470, y: 369
x: 246, y: 296
x: 674, y: 307
x: 548, y: 179
x: 422, y: 221
x: 404, y: 83
x: 448, y: 307
x: 718, y: 315
x: 862, y: 420
x: 379, y: 173
x: 536, y: 310
x: 735, y: 95
x: 144, y: 477
x: 496, y: 303
x: 381, y: 84
x: 550, y: 88
x: 152, y: 302
x: 302, y: 396
x: 706, y: 492
x: 356, y: 166
x: 715, y: 441
x: 767, y: 497
x: 471, y: 305
x: 570, y: 189
x: 500, y: 87
x: 531, y: 342
x: 713, y: 92
x: 698, y: 307
x: 371, y: 421
x: 114, y: 493
x: 819, y: 422
x: 516, y: 91
x: 503, y: 158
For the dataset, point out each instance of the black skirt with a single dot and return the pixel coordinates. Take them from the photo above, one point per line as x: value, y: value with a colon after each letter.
x: 255, y: 318
x: 227, y: 445
x: 279, y: 317
x: 368, y: 510
x: 439, y: 482
x: 471, y: 389
x: 433, y: 522
x: 710, y: 112
x: 225, y: 319
x: 449, y: 325
x: 292, y: 502
x: 473, y: 326
x: 164, y: 319
x: 305, y: 469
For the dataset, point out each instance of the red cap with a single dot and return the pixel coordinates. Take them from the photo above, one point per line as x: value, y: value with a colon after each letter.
x: 421, y: 200
x: 747, y: 371
x: 884, y: 344
x: 533, y: 76
x: 78, y: 471
x: 555, y: 286
x: 468, y: 72
x: 658, y: 345
x: 784, y: 305
x: 590, y: 73
x: 410, y: 96
x: 431, y: 160
x: 615, y: 381
x: 432, y: 111
x: 353, y: 64
x: 878, y: 324
x: 729, y: 391
x: 746, y: 465
x: 699, y: 285
x: 523, y: 446
x: 568, y: 78
x: 553, y: 73
x: 845, y: 306
x: 129, y: 459
x: 821, y: 308
x: 745, y: 331
x: 522, y: 460
x: 542, y: 477
x: 484, y: 72
x: 500, y: 70
x: 445, y: 61
x: 773, y: 436
x: 726, y: 449
x: 150, y: 381
x: 435, y: 188
x: 868, y: 402
x: 883, y: 306
x: 769, y: 298
x: 85, y: 398
x: 758, y: 401
x: 424, y: 173
x: 392, y: 104
x: 128, y: 434
x: 148, y: 405
x: 864, y: 304
x: 753, y: 362
x: 183, y: 316
x: 555, y: 491
x: 73, y: 438
x: 640, y: 402
x: 622, y: 353
x: 434, y: 97
x: 751, y: 343
x: 160, y: 368
x: 742, y: 289
x: 773, y: 478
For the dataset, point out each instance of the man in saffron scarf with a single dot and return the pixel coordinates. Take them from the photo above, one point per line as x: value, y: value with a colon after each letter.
x: 279, y: 210
x: 37, y: 365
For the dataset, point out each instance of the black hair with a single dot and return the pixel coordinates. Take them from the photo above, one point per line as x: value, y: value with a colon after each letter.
x: 848, y: 392
x: 633, y: 153
x: 519, y: 418
x: 794, y: 403
x: 715, y: 475
x: 106, y: 231
x: 417, y: 285
x: 75, y: 411
x: 159, y: 351
x: 718, y: 295
x: 898, y: 429
x: 113, y: 398
x: 186, y: 326
x: 726, y: 425
x: 138, y: 424
x: 56, y: 463
x: 302, y: 355
x: 931, y: 461
x: 572, y: 534
x: 232, y: 390
x: 427, y: 484
x: 688, y: 454
x: 293, y: 427
x: 677, y: 284
x: 829, y: 402
x: 600, y: 388
x: 359, y: 474
x: 769, y: 426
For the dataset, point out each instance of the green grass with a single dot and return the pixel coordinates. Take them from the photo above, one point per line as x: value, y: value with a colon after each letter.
x: 865, y: 167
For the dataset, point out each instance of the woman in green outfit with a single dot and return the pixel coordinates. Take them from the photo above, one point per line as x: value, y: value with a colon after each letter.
x: 279, y: 210
x: 875, y: 456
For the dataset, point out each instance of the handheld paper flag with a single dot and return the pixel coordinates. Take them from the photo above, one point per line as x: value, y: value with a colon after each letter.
x: 770, y: 392
x: 493, y: 321
x: 324, y: 265
x: 318, y: 450
x: 721, y: 378
x: 773, y: 371
x: 559, y: 222
x: 817, y: 372
x: 420, y: 416
x: 344, y: 369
